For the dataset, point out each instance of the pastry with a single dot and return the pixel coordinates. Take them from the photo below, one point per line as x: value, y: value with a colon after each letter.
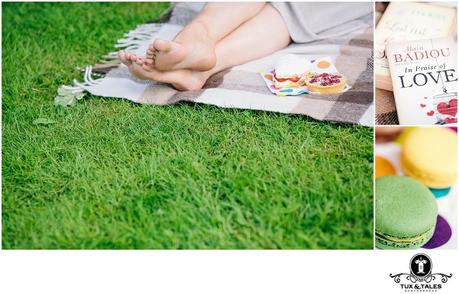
x: 289, y: 70
x: 325, y: 82
x: 406, y: 213
x: 387, y: 134
x: 384, y: 167
x: 430, y: 156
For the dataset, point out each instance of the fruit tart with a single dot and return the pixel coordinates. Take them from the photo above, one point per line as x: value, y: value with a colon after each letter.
x: 328, y: 83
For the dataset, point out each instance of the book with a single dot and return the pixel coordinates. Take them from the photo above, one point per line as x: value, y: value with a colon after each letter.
x: 424, y: 79
x: 405, y: 21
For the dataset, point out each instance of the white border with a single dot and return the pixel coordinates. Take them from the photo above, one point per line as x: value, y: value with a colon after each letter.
x: 269, y: 271
x: 219, y: 271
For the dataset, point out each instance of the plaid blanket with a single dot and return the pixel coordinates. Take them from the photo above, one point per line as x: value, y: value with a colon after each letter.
x: 241, y: 86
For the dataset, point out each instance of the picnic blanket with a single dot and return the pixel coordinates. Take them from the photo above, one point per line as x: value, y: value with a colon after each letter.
x: 241, y: 86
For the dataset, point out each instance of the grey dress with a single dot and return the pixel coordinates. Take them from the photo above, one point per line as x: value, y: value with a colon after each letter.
x: 311, y: 21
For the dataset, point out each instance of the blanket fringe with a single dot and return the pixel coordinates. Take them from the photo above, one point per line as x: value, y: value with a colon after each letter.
x: 68, y: 95
x: 134, y: 38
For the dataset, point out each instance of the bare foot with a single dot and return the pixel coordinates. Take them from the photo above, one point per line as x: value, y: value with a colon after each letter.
x: 191, y: 49
x: 181, y: 79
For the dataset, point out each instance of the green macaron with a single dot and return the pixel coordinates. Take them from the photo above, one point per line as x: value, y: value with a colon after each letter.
x: 406, y: 213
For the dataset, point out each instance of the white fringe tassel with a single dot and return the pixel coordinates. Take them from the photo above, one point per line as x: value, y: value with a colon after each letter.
x: 68, y: 95
x: 136, y: 37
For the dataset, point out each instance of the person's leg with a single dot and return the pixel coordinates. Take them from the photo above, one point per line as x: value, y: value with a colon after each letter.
x: 258, y: 37
x: 194, y: 46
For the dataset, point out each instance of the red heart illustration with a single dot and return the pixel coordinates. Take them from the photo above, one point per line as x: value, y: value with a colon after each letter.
x: 450, y: 120
x: 423, y: 105
x: 449, y: 108
x: 430, y: 113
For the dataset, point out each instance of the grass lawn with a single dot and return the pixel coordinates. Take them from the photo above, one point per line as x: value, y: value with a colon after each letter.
x: 112, y: 174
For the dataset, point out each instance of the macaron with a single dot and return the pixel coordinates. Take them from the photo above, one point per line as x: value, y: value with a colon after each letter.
x: 383, y: 167
x: 406, y: 213
x: 430, y: 155
x: 387, y: 134
x: 438, y: 193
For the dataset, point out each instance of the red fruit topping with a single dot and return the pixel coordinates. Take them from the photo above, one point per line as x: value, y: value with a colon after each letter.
x: 325, y: 79
x: 292, y: 79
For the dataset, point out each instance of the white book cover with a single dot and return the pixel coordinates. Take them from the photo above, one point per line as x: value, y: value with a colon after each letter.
x: 406, y: 21
x: 424, y: 79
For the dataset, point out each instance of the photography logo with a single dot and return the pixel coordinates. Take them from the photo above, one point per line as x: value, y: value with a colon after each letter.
x: 421, y: 278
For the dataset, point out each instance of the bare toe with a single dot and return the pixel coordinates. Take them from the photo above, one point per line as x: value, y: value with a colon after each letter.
x: 150, y: 54
x: 162, y: 45
x: 123, y: 57
x: 133, y: 57
x: 151, y: 49
x: 139, y: 61
x: 147, y: 67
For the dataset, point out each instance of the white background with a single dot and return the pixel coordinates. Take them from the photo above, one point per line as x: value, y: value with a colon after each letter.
x: 275, y: 271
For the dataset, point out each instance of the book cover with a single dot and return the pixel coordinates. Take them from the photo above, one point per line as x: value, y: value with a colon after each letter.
x: 405, y: 22
x: 424, y: 78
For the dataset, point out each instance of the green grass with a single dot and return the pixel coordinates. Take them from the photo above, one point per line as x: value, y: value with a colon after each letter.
x: 112, y: 174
